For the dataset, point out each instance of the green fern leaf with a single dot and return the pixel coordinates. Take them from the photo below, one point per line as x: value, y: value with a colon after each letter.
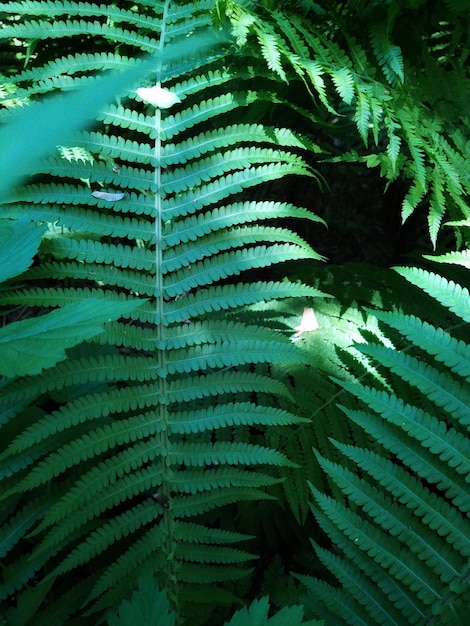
x: 428, y: 430
x: 132, y: 445
x: 343, y: 80
x: 399, y: 523
x: 461, y: 257
x: 372, y: 541
x: 447, y: 292
x: 416, y: 457
x: 442, y: 389
x: 414, y: 195
x: 270, y: 52
x: 437, y: 342
x: 362, y: 116
x: 391, y: 60
x: 393, y: 149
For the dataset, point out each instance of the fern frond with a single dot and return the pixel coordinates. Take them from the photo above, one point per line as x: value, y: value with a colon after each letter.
x: 446, y: 392
x: 54, y: 8
x: 372, y: 541
x: 393, y: 148
x: 453, y: 353
x: 450, y: 446
x: 362, y: 115
x: 41, y: 29
x: 73, y: 63
x: 270, y: 52
x: 230, y: 415
x: 442, y: 518
x: 417, y: 458
x: 413, y: 197
x: 231, y: 215
x: 400, y: 523
x: 447, y: 292
x: 130, y: 447
x: 19, y: 525
x: 150, y: 542
x: 343, y: 80
x: 331, y: 603
x: 460, y: 257
x: 389, y: 57
x: 221, y: 298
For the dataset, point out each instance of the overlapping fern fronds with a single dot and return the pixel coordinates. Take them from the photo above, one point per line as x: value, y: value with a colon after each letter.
x: 353, y: 61
x: 400, y: 528
x: 115, y: 457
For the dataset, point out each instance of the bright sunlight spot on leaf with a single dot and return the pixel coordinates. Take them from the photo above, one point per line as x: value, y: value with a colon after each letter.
x: 159, y: 97
x: 308, y: 323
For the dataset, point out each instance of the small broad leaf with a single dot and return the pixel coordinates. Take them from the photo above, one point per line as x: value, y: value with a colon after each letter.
x: 19, y: 242
x: 257, y: 615
x: 148, y: 606
x: 29, y: 346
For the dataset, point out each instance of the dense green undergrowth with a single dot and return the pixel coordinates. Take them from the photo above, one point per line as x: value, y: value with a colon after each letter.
x: 202, y: 422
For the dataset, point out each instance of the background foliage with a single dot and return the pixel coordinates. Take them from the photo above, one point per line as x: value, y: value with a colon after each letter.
x: 190, y: 454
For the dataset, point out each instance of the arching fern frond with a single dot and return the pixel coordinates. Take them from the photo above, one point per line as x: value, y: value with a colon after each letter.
x: 129, y: 448
x: 357, y: 64
x: 401, y: 527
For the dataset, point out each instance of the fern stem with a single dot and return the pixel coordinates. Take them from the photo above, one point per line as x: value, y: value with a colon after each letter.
x: 164, y: 459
